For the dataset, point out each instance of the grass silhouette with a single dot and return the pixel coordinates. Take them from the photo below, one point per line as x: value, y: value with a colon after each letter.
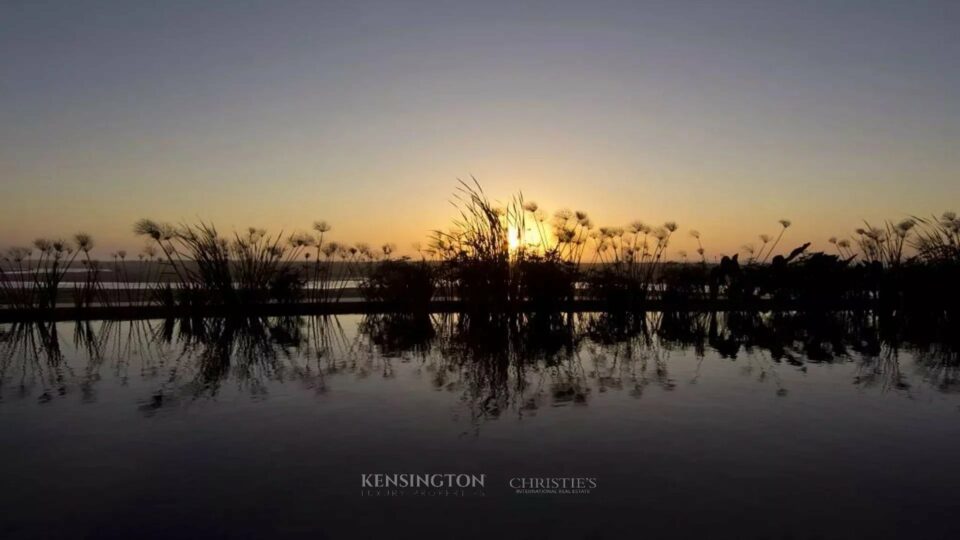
x: 493, y: 257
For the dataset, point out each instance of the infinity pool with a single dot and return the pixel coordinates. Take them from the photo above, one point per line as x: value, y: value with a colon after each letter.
x: 699, y: 426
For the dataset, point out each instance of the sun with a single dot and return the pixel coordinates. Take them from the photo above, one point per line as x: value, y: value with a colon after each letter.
x: 529, y: 241
x: 513, y: 239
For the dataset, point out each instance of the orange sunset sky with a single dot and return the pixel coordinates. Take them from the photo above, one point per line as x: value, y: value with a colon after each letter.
x: 721, y: 116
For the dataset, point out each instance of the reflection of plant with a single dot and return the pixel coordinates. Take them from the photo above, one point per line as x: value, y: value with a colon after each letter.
x: 395, y: 333
x: 497, y: 363
x: 940, y: 367
x: 30, y: 355
x: 881, y: 371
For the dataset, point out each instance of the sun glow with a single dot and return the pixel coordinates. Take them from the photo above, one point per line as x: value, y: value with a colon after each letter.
x: 530, y: 241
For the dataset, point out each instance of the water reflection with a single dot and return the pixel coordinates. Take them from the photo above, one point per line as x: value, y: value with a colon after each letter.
x: 494, y: 363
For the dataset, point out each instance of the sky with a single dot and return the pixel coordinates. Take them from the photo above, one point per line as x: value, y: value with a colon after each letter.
x: 723, y: 116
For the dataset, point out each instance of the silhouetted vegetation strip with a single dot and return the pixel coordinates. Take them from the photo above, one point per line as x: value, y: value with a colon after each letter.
x: 493, y: 258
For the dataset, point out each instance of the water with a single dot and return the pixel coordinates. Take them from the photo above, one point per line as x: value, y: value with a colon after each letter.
x: 773, y: 426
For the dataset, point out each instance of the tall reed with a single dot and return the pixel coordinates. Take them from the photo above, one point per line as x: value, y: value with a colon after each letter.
x: 251, y: 268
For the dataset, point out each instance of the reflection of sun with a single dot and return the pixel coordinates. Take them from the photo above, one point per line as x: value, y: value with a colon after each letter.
x: 530, y: 240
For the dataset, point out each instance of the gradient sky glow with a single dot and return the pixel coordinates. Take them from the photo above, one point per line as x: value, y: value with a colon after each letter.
x: 721, y: 115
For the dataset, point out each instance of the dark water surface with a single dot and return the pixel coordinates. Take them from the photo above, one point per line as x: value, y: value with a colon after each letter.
x: 752, y: 426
